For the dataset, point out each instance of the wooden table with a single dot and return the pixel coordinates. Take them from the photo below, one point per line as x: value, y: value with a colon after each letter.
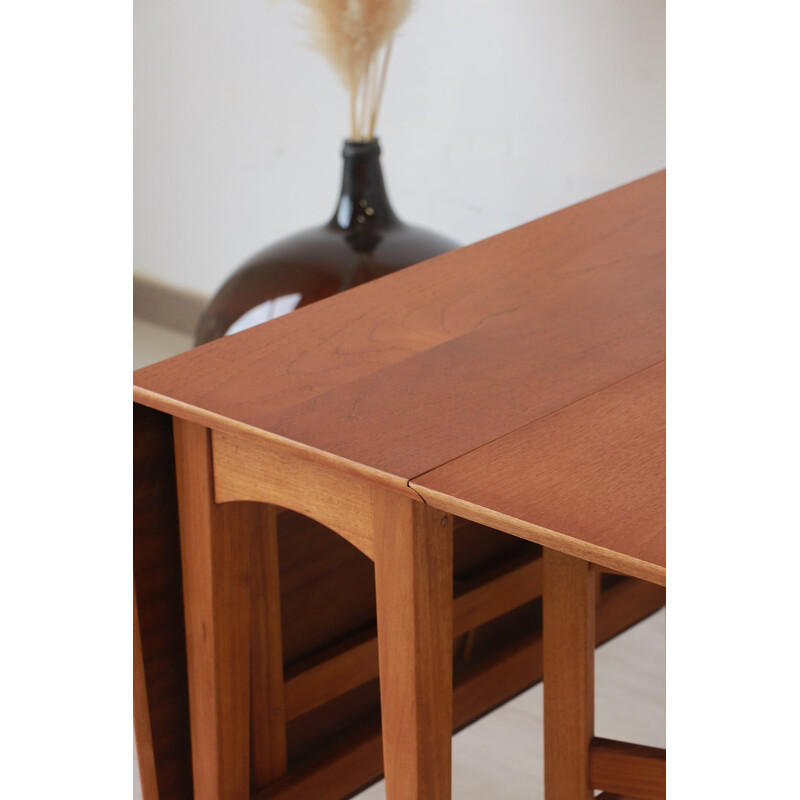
x: 518, y: 382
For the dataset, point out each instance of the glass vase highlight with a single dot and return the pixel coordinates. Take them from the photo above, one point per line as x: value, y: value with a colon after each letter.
x: 363, y: 240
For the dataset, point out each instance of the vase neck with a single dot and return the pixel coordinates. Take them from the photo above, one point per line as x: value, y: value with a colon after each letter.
x: 363, y: 202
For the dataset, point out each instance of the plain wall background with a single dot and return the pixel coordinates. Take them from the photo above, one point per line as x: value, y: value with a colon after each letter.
x: 495, y: 113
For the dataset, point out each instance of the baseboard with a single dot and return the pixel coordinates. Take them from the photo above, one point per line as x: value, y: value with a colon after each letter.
x: 165, y: 305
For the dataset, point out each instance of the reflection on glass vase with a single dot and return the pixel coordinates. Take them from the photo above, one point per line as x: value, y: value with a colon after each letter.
x: 363, y: 240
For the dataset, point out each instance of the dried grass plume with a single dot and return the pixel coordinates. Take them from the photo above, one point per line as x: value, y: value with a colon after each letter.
x: 356, y: 38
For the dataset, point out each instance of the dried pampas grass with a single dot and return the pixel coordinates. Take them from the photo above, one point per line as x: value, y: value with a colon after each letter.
x: 356, y: 37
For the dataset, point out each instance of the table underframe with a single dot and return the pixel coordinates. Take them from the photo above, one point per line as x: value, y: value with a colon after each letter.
x: 228, y: 487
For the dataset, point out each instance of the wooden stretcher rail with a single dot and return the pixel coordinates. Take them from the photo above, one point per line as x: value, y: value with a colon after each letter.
x: 353, y: 663
x: 628, y: 769
x: 327, y: 678
x: 357, y: 759
x: 613, y: 796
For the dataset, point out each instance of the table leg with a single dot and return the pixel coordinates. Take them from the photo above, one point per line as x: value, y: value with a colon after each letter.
x: 268, y: 759
x: 568, y: 660
x: 215, y: 546
x: 414, y: 590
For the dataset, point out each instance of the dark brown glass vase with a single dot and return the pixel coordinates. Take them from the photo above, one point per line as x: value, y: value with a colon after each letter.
x: 363, y: 240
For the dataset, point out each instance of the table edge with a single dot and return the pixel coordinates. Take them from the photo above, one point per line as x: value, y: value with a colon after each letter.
x: 634, y: 567
x: 218, y: 422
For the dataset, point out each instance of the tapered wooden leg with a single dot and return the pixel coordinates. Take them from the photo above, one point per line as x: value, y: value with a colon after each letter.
x: 215, y: 546
x: 414, y: 589
x: 267, y: 703
x: 568, y: 607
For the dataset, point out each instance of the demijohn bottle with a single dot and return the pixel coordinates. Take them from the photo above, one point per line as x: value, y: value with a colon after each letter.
x: 363, y: 240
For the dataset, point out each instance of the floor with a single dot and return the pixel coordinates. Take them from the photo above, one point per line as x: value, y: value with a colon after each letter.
x: 500, y: 756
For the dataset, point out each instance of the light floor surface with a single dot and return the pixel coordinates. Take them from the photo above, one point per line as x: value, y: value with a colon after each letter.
x: 501, y: 755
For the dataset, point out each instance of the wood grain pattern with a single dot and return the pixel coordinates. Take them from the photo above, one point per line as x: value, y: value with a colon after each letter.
x: 588, y: 480
x: 248, y: 469
x: 628, y: 769
x: 414, y: 591
x: 568, y: 656
x: 495, y: 334
x: 268, y: 758
x: 535, y: 358
x: 215, y: 549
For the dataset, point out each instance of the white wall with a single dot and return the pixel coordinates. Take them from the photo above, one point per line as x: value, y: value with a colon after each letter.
x: 496, y: 112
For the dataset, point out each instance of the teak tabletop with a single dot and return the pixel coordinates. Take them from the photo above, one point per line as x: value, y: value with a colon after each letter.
x: 518, y: 382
